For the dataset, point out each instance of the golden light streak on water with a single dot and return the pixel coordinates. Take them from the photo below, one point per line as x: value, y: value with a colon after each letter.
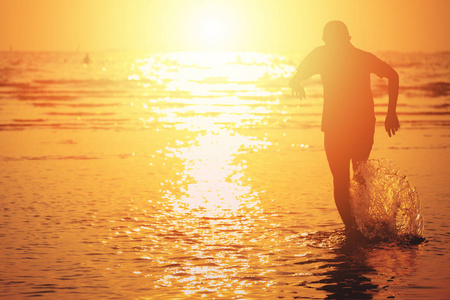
x: 210, y: 194
x: 213, y: 176
x: 219, y: 89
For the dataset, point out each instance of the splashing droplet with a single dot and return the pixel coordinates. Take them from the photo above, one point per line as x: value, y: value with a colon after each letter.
x: 385, y: 205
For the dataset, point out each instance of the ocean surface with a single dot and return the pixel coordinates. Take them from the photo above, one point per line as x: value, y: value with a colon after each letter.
x: 197, y: 175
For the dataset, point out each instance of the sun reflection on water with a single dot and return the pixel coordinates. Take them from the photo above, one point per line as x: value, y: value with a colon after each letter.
x: 219, y: 87
x: 208, y: 90
x: 207, y: 228
x: 211, y: 207
x: 210, y: 73
x: 213, y: 178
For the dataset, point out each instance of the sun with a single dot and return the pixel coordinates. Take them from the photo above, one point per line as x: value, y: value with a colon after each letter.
x: 213, y: 27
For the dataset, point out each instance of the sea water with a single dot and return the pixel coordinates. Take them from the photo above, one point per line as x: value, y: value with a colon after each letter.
x: 199, y: 175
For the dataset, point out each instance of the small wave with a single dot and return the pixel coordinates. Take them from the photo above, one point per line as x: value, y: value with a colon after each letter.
x: 442, y: 106
x: 87, y: 105
x: 25, y: 125
x: 49, y: 157
x: 29, y: 120
x: 75, y: 81
x: 418, y: 148
x: 108, y: 120
x: 385, y: 205
x: 423, y: 113
x: 79, y: 114
x: 17, y: 85
x: 33, y: 97
x: 433, y: 89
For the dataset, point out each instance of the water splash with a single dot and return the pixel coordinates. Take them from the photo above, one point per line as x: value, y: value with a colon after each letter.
x: 385, y: 205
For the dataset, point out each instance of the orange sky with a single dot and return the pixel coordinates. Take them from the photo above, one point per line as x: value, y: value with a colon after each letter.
x: 243, y: 25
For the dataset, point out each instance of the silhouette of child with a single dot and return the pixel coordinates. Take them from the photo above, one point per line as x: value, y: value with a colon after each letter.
x: 348, y: 119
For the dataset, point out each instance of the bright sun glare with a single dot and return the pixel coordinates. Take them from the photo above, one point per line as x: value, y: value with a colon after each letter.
x: 213, y: 27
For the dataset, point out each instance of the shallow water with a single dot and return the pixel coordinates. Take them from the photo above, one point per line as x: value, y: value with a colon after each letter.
x: 157, y: 177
